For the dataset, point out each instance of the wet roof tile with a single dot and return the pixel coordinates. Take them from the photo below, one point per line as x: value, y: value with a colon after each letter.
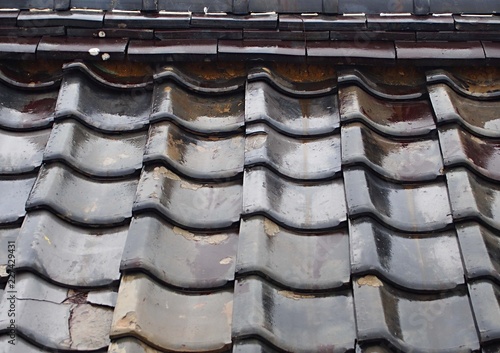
x: 195, y: 156
x: 8, y: 235
x: 21, y: 152
x: 296, y: 205
x: 450, y: 107
x: 480, y: 250
x: 14, y: 191
x: 389, y: 254
x: 309, y: 159
x: 145, y: 20
x: 492, y: 51
x: 344, y: 52
x: 111, y: 33
x: 101, y: 49
x: 411, y: 160
x: 179, y: 257
x: 462, y: 148
x: 205, y: 34
x: 172, y: 50
x: 413, y: 322
x: 485, y: 299
x: 261, y: 50
x: 410, y: 23
x: 407, y: 207
x: 81, y: 199
x: 89, y: 102
x: 18, y: 48
x: 69, y: 255
x: 294, y: 116
x: 473, y: 197
x: 168, y: 319
x: 222, y: 113
x: 476, y: 23
x: 398, y: 118
x: 229, y: 21
x: 321, y: 260
x: 56, y: 317
x: 86, y: 19
x: 9, y: 18
x: 439, y: 52
x: 188, y: 203
x: 321, y: 23
x: 263, y: 310
x: 95, y: 153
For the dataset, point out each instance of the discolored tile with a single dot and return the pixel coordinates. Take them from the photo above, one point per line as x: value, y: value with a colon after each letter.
x: 413, y: 322
x: 300, y: 206
x: 450, y: 107
x: 69, y: 255
x: 473, y: 84
x: 95, y: 153
x: 407, y: 207
x: 187, y: 203
x: 195, y: 156
x: 407, y: 160
x: 306, y: 159
x: 397, y: 118
x: 14, y: 191
x: 178, y: 257
x: 170, y: 320
x: 278, y: 316
x: 391, y: 255
x: 130, y: 345
x: 294, y: 116
x: 21, y: 152
x: 80, y: 199
x: 320, y: 260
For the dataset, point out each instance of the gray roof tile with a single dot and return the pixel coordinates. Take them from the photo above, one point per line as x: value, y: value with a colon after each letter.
x: 22, y: 152
x: 485, y: 299
x: 14, y: 191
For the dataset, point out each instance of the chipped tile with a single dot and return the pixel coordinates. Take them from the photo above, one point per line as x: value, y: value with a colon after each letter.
x: 409, y: 160
x: 80, y: 199
x: 398, y: 118
x: 320, y: 261
x: 21, y: 152
x: 95, y: 153
x: 300, y: 206
x: 485, y: 299
x: 294, y: 116
x: 188, y: 203
x: 279, y: 316
x: 14, y: 191
x: 130, y: 345
x: 69, y: 255
x: 179, y: 257
x: 170, y: 320
x: 413, y: 261
x: 195, y: 156
x: 407, y: 207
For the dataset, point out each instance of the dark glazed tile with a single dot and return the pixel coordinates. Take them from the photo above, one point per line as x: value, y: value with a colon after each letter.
x: 289, y: 6
x: 320, y: 261
x: 55, y: 317
x: 340, y: 52
x: 8, y: 236
x: 172, y: 50
x: 408, y: 160
x: 491, y: 348
x: 449, y: 106
x: 439, y: 52
x: 462, y: 148
x: 492, y: 51
x: 485, y: 298
x: 279, y: 317
x: 285, y: 35
x: 467, y: 85
x: 166, y: 319
x: 85, y: 19
x: 130, y: 345
x: 69, y: 255
x: 198, y: 113
x: 195, y: 156
x: 26, y: 109
x: 111, y: 33
x: 100, y: 107
x: 398, y: 118
x: 306, y: 159
x: 476, y: 23
x: 409, y: 89
x: 32, y: 31
x: 457, y: 36
x: 206, y: 34
x: 17, y: 48
x: 195, y: 6
x: 14, y: 191
x: 408, y: 207
x: 82, y: 48
x: 367, y: 36
x: 228, y: 21
x: 187, y: 203
x: 410, y: 23
x: 145, y: 20
x: 321, y: 23
x: 81, y: 199
x: 262, y: 50
x: 473, y: 197
x: 300, y: 206
x: 22, y: 152
x: 375, y: 6
x: 413, y: 322
x: 178, y: 257
x: 9, y: 18
x: 294, y: 116
x: 480, y: 250
x: 393, y: 255
x: 464, y: 6
x: 95, y: 153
